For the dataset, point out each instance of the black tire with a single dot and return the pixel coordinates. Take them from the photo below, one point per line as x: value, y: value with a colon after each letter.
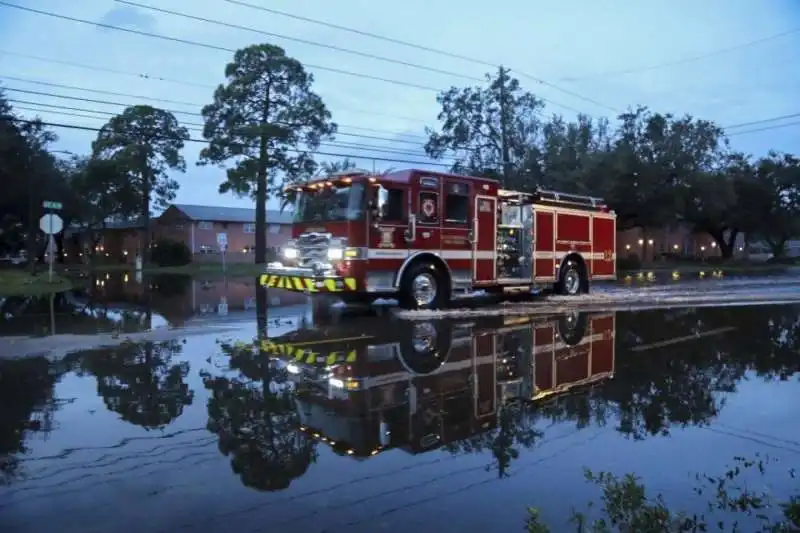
x: 572, y: 327
x: 571, y: 279
x: 431, y: 275
x: 425, y: 346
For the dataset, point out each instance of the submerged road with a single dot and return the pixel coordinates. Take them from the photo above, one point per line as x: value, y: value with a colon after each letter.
x: 696, y: 293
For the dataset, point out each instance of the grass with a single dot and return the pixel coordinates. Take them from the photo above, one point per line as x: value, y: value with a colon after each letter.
x: 192, y: 269
x: 733, y: 267
x: 19, y: 282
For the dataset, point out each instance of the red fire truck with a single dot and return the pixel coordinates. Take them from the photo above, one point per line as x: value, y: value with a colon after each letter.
x: 420, y: 384
x: 422, y: 236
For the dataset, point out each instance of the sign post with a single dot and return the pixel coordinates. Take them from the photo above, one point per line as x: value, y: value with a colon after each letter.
x: 222, y: 242
x: 51, y: 224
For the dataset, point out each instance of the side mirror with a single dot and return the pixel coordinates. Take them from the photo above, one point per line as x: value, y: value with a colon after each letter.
x: 378, y: 204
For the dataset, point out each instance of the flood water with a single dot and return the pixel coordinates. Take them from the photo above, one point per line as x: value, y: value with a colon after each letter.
x: 294, y: 420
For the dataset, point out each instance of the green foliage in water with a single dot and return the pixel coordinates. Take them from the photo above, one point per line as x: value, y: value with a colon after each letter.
x: 626, y: 507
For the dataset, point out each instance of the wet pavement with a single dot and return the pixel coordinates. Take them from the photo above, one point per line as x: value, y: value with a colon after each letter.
x: 355, y: 421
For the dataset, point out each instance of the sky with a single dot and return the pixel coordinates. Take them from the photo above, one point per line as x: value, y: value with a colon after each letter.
x: 722, y: 60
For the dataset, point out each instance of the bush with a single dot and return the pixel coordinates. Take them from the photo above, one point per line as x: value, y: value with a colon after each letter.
x: 169, y: 253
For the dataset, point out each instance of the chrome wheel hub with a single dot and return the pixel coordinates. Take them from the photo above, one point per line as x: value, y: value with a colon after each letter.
x: 572, y: 281
x: 423, y: 289
x: 423, y: 338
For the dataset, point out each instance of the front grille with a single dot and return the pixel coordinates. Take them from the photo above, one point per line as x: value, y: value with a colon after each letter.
x: 312, y: 248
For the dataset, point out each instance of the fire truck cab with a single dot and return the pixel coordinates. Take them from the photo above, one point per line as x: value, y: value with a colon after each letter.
x: 421, y: 236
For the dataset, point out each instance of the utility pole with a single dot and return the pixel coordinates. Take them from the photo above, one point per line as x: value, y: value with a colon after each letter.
x: 504, y: 127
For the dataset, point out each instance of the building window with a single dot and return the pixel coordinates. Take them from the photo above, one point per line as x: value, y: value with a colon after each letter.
x: 206, y: 249
x: 205, y: 224
x: 249, y: 228
x: 274, y: 229
x: 456, y: 203
x: 249, y: 249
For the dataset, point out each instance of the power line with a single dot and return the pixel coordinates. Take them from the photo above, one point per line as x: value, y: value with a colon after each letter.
x: 418, y: 140
x: 71, y: 111
x: 762, y: 121
x: 297, y: 39
x: 198, y: 128
x: 766, y: 128
x: 100, y: 91
x: 145, y: 76
x: 173, y: 111
x: 685, y: 60
x: 203, y: 141
x: 423, y: 48
x: 317, y: 67
x: 209, y: 46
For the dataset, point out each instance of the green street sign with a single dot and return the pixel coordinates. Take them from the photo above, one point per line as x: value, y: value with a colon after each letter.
x: 52, y: 205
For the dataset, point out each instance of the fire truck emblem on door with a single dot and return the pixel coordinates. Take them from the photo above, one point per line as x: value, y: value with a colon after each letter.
x: 608, y: 255
x: 387, y: 238
x: 428, y: 207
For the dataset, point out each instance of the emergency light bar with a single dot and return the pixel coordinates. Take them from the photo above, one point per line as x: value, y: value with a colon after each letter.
x: 344, y: 177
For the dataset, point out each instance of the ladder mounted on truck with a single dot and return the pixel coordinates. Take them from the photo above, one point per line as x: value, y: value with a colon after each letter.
x: 555, y: 198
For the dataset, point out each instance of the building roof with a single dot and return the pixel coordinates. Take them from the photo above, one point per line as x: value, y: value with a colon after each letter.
x: 243, y: 215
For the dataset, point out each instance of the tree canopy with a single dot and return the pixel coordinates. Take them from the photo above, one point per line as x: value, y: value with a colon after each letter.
x: 264, y: 126
x: 265, y: 122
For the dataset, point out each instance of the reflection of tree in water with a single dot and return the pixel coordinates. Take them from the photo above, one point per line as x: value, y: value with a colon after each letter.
x: 255, y: 418
x: 26, y: 405
x: 660, y: 384
x: 684, y: 383
x: 140, y: 382
x: 515, y: 428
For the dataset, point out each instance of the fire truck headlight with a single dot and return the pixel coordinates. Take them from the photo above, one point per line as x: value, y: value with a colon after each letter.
x: 290, y: 253
x: 335, y: 254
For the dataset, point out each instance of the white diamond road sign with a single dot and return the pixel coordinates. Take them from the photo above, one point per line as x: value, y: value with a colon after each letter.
x: 51, y: 224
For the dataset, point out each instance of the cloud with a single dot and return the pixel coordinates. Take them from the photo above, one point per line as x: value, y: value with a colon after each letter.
x: 536, y: 39
x: 128, y: 17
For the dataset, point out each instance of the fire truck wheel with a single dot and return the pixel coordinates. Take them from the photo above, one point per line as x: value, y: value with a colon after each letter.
x: 570, y: 282
x: 572, y: 327
x: 424, y: 286
x: 426, y: 347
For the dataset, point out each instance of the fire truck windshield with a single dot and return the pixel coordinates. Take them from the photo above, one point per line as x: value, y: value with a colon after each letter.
x: 330, y: 204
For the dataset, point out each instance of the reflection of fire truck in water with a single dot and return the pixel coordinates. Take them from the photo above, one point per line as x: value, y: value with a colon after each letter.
x: 425, y: 384
x: 423, y: 236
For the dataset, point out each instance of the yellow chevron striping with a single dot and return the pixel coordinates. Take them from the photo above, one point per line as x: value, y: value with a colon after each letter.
x: 303, y: 284
x: 310, y: 285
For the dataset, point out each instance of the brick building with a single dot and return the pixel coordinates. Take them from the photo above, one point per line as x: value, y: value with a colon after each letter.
x: 197, y: 226
x: 652, y: 244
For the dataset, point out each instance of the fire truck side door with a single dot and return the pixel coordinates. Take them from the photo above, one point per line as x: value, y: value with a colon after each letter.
x: 484, y: 227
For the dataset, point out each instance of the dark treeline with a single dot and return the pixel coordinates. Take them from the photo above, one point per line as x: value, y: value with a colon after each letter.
x: 264, y: 125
